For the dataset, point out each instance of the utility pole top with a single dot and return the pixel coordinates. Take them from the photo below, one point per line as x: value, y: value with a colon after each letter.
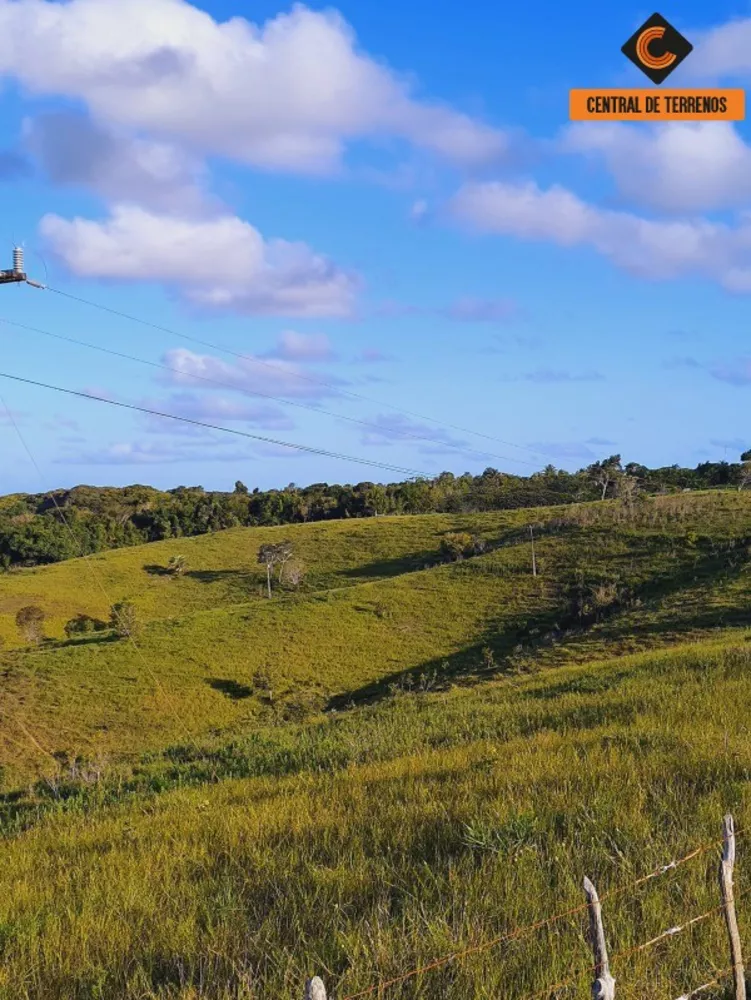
x: 16, y: 274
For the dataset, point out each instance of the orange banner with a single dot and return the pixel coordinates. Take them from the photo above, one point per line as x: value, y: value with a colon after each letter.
x: 701, y: 105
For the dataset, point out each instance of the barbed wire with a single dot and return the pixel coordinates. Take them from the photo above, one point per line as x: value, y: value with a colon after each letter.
x: 521, y: 931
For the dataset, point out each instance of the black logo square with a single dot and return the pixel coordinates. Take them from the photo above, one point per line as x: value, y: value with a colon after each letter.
x: 657, y: 48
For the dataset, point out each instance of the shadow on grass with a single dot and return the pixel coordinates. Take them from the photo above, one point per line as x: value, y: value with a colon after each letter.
x: 495, y: 654
x: 232, y: 689
x: 94, y: 639
x: 154, y: 570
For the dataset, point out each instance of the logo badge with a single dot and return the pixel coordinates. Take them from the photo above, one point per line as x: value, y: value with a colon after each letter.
x: 657, y: 48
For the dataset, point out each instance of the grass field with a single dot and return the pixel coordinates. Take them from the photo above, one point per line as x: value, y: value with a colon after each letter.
x: 395, y: 763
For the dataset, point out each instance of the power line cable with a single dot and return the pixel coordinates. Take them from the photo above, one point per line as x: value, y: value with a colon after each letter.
x: 215, y: 427
x: 264, y: 395
x: 260, y: 361
x: 99, y: 582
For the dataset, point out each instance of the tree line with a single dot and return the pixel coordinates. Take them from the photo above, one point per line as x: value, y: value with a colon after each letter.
x: 46, y: 528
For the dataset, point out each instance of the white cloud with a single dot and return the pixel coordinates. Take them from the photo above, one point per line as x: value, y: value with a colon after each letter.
x: 723, y: 51
x: 658, y: 249
x: 75, y: 150
x: 151, y: 453
x: 419, y: 211
x: 221, y: 262
x: 212, y: 408
x: 393, y: 428
x: 675, y: 167
x: 278, y: 378
x: 288, y: 94
x: 293, y: 346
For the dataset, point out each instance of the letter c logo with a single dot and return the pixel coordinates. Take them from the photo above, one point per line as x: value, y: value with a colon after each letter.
x: 643, y: 42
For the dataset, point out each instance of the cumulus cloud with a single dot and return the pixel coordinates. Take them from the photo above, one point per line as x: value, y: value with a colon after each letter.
x: 288, y: 94
x: 390, y: 428
x: 311, y: 347
x: 278, y: 378
x: 673, y: 167
x: 736, y: 372
x: 723, y: 51
x: 214, y: 408
x: 372, y: 356
x: 72, y: 149
x: 219, y: 263
x: 473, y: 310
x: 657, y: 249
x: 152, y: 453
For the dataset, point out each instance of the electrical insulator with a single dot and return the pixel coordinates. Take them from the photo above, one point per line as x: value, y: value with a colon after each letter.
x: 18, y: 260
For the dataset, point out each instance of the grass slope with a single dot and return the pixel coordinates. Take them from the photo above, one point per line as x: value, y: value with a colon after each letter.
x: 230, y: 667
x: 370, y: 843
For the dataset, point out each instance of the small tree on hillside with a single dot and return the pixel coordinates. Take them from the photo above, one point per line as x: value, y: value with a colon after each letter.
x: 284, y: 552
x: 606, y: 472
x: 30, y: 622
x: 124, y: 619
x: 83, y: 625
x: 627, y: 489
x: 456, y: 545
x: 241, y: 488
x: 267, y: 558
x: 177, y: 565
x: 745, y: 479
x: 295, y: 573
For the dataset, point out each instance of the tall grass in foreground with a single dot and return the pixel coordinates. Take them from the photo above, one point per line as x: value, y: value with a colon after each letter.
x: 383, y: 839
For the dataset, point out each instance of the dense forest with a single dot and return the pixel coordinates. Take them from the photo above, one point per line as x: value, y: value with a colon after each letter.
x: 50, y: 527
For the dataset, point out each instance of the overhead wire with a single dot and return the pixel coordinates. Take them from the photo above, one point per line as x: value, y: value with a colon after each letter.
x: 278, y: 368
x: 370, y: 425
x: 310, y: 449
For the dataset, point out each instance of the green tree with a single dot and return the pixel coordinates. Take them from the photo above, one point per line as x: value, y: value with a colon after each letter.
x: 456, y: 545
x: 124, y: 619
x: 241, y: 488
x: 30, y: 623
x: 83, y: 625
x: 177, y: 565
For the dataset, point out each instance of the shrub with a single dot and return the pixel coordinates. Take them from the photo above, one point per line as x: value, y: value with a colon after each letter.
x: 295, y: 574
x: 83, y: 625
x: 456, y: 545
x: 124, y: 620
x: 30, y: 622
x: 177, y: 565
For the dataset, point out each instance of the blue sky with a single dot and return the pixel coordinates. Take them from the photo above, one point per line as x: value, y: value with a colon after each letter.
x: 386, y: 206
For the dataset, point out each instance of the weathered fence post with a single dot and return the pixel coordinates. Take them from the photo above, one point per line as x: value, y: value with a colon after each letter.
x: 603, y: 987
x: 728, y: 905
x: 534, y: 557
x: 314, y: 989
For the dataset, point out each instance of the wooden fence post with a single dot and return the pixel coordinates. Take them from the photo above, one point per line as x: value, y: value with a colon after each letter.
x: 603, y: 987
x: 728, y: 905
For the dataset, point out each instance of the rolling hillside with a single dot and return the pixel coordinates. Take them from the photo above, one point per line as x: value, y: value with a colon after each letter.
x: 404, y: 758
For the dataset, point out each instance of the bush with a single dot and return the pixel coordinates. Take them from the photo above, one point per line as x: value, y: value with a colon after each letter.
x: 30, y: 622
x: 83, y: 625
x: 177, y: 565
x: 456, y: 545
x: 295, y: 574
x: 124, y: 620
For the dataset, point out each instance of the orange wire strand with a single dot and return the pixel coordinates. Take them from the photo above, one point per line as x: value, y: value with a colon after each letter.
x: 537, y: 925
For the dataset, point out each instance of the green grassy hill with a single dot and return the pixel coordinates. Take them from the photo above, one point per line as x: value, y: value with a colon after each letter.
x: 402, y: 759
x: 369, y: 617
